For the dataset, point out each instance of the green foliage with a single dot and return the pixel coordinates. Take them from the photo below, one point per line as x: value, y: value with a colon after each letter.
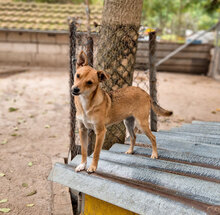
x: 211, y: 5
x: 175, y: 16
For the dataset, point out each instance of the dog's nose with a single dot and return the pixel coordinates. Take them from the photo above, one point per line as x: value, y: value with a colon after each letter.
x: 75, y: 90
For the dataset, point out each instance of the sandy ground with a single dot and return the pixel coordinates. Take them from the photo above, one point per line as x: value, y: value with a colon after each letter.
x: 37, y: 131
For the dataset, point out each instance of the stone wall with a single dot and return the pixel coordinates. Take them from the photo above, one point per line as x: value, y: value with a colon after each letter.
x: 34, y: 49
x: 52, y: 50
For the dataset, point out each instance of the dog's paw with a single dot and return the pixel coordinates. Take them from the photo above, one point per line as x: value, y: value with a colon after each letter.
x: 129, y: 151
x: 91, y: 169
x: 80, y: 167
x: 154, y: 155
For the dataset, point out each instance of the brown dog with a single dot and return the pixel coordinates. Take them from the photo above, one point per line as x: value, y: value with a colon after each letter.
x: 96, y: 109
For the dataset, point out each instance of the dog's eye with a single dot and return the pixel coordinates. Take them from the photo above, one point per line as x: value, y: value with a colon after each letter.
x: 78, y: 76
x: 89, y: 82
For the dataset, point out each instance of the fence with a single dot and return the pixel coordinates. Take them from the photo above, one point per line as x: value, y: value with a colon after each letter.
x: 214, y: 70
x: 119, y: 62
x: 194, y: 59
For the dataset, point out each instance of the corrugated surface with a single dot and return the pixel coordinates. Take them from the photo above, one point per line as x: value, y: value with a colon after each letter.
x: 184, y: 180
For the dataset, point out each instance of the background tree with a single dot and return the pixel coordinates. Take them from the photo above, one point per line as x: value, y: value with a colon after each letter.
x: 117, y: 50
x: 175, y: 16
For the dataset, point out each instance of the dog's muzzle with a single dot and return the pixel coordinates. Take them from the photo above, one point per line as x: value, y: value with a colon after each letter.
x: 75, y: 91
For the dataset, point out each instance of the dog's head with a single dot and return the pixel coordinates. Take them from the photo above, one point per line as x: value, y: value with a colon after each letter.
x: 86, y: 79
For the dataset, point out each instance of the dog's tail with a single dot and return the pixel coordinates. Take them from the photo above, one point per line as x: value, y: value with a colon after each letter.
x: 159, y: 110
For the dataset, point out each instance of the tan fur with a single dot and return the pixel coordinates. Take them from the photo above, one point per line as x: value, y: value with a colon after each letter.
x: 97, y: 109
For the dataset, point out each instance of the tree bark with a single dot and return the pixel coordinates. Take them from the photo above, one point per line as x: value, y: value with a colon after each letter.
x: 117, y: 51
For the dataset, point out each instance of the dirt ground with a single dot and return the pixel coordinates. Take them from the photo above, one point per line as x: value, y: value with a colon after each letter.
x: 34, y: 127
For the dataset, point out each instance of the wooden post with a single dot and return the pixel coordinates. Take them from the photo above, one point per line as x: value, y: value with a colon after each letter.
x: 89, y: 43
x: 73, y: 149
x: 89, y: 49
x: 153, y: 78
x: 72, y: 35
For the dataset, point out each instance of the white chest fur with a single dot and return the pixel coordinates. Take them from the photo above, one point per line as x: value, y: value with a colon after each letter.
x: 89, y: 124
x: 83, y: 118
x: 83, y: 103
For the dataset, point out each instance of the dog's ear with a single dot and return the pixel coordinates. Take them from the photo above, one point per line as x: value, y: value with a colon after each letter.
x: 82, y: 60
x: 102, y: 76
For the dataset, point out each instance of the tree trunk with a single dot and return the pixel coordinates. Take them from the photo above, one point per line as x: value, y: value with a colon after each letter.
x: 180, y: 31
x: 117, y: 50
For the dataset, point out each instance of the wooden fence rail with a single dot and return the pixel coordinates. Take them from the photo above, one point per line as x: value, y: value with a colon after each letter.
x: 193, y: 59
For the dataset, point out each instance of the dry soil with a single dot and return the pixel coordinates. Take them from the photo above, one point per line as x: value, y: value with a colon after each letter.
x: 35, y: 134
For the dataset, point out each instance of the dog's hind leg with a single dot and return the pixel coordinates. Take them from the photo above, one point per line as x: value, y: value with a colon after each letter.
x: 129, y: 124
x: 143, y: 122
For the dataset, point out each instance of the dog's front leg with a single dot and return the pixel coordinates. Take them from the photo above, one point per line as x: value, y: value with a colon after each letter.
x: 83, y: 135
x: 100, y: 135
